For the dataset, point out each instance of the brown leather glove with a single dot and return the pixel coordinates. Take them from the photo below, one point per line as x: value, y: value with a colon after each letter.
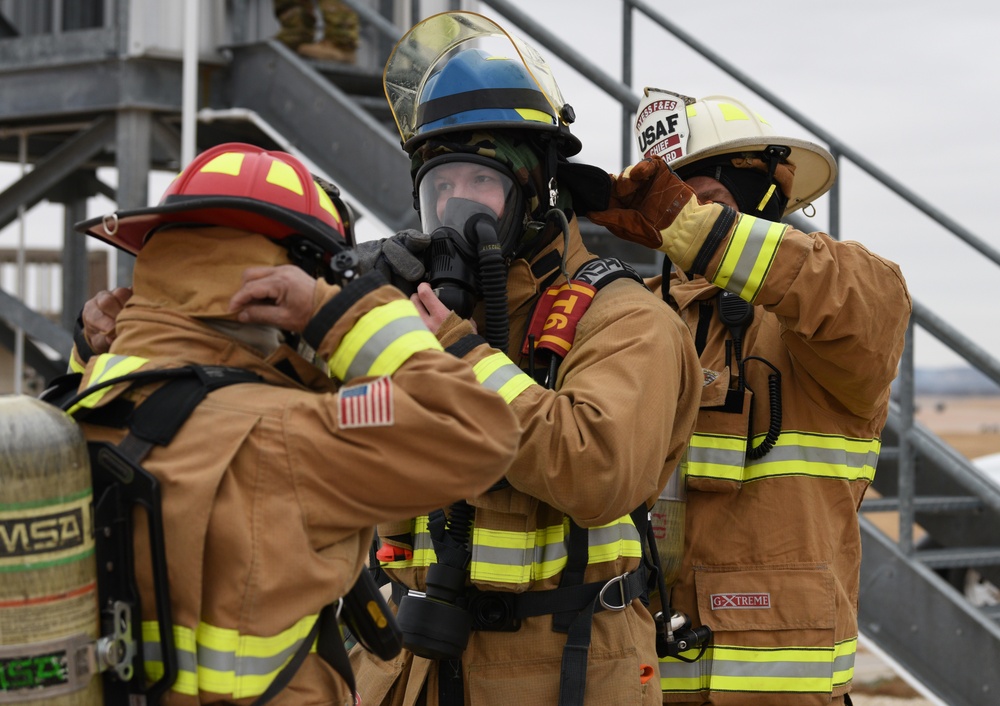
x: 652, y: 206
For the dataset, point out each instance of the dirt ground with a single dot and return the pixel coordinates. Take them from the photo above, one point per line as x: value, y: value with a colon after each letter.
x: 971, y: 425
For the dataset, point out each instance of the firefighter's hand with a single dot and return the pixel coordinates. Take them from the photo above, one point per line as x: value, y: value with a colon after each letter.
x: 652, y: 206
x: 99, y: 315
x: 431, y: 309
x: 275, y: 296
x: 400, y: 258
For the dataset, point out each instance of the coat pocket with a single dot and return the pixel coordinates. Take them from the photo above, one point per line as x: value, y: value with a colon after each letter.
x: 792, y: 597
x: 715, y: 459
x: 774, y: 635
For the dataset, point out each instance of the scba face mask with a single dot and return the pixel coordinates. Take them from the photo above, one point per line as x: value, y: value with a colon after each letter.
x: 471, y: 196
x: 475, y: 212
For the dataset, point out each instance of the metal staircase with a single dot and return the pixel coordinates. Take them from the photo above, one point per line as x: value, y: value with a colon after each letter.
x: 75, y: 101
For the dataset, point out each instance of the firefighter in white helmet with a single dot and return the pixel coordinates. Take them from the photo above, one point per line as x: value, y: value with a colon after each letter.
x: 270, y: 489
x: 799, y: 335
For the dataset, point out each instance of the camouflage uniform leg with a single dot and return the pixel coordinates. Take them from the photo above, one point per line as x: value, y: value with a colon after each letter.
x: 340, y: 24
x: 298, y: 22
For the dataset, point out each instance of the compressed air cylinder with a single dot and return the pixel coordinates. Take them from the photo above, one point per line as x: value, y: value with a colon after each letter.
x: 667, y: 517
x: 49, y: 615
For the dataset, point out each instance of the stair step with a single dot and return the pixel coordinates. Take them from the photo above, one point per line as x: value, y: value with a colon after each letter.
x: 929, y: 503
x: 991, y: 611
x: 377, y: 105
x: 963, y: 557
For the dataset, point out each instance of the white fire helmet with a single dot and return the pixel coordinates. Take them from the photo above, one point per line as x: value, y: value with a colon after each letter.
x: 684, y: 131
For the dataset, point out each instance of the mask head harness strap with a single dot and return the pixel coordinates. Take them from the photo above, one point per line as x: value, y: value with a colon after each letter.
x: 750, y: 178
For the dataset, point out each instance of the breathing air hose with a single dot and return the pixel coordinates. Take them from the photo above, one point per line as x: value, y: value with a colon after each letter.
x: 493, y: 280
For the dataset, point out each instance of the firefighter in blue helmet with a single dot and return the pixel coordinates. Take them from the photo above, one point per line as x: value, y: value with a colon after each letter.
x: 532, y: 592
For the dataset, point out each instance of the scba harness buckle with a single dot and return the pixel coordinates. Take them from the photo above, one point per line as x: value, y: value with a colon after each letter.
x: 494, y: 612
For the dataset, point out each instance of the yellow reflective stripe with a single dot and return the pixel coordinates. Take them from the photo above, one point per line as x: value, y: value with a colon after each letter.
x: 614, y: 540
x: 518, y: 557
x: 222, y: 660
x: 748, y: 256
x: 716, y: 456
x: 817, y: 456
x: 766, y: 198
x: 795, y: 454
x: 508, y: 556
x: 533, y: 115
x: 498, y: 373
x: 760, y: 670
x: 187, y: 661
x: 106, y: 367
x: 381, y: 341
x: 843, y: 661
x: 76, y: 365
x: 423, y: 550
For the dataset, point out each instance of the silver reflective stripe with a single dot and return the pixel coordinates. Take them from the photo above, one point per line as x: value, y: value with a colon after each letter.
x: 186, y: 661
x: 223, y: 661
x: 813, y: 454
x: 621, y: 530
x: 716, y: 456
x: 379, y: 342
x: 844, y: 663
x: 751, y: 252
x: 762, y: 669
x: 501, y: 376
x: 515, y: 557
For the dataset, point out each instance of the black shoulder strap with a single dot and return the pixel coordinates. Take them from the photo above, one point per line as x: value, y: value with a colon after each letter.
x: 157, y: 420
x: 600, y: 272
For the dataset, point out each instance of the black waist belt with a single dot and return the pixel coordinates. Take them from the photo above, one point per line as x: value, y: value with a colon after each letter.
x: 502, y: 611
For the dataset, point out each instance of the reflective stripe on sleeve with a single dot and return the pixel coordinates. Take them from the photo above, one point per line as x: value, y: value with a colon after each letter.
x: 381, y: 341
x: 221, y: 660
x: 748, y: 256
x: 773, y: 670
x: 498, y: 373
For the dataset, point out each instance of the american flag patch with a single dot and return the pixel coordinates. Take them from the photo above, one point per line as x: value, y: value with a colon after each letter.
x: 366, y: 405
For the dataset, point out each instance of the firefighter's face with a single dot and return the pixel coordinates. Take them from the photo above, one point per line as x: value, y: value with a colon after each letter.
x: 475, y: 182
x: 709, y: 189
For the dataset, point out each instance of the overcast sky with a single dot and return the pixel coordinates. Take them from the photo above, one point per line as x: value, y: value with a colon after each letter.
x: 914, y: 86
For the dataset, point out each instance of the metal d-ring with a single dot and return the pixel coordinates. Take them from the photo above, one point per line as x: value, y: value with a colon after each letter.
x: 620, y: 582
x: 113, y: 219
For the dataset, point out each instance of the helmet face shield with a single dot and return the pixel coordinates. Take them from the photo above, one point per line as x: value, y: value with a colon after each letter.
x: 503, y: 83
x: 454, y: 188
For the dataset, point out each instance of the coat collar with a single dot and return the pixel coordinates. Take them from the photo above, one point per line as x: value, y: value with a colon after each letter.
x: 170, y: 339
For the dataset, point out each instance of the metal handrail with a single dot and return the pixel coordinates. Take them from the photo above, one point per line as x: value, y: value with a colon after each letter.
x: 911, y: 443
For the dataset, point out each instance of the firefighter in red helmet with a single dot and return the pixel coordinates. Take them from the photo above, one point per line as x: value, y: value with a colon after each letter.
x: 270, y: 488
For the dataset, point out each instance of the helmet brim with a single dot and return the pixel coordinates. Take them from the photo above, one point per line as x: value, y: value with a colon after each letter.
x: 129, y: 230
x: 815, y: 167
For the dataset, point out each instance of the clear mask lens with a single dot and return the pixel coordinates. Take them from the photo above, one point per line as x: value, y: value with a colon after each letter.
x: 453, y: 192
